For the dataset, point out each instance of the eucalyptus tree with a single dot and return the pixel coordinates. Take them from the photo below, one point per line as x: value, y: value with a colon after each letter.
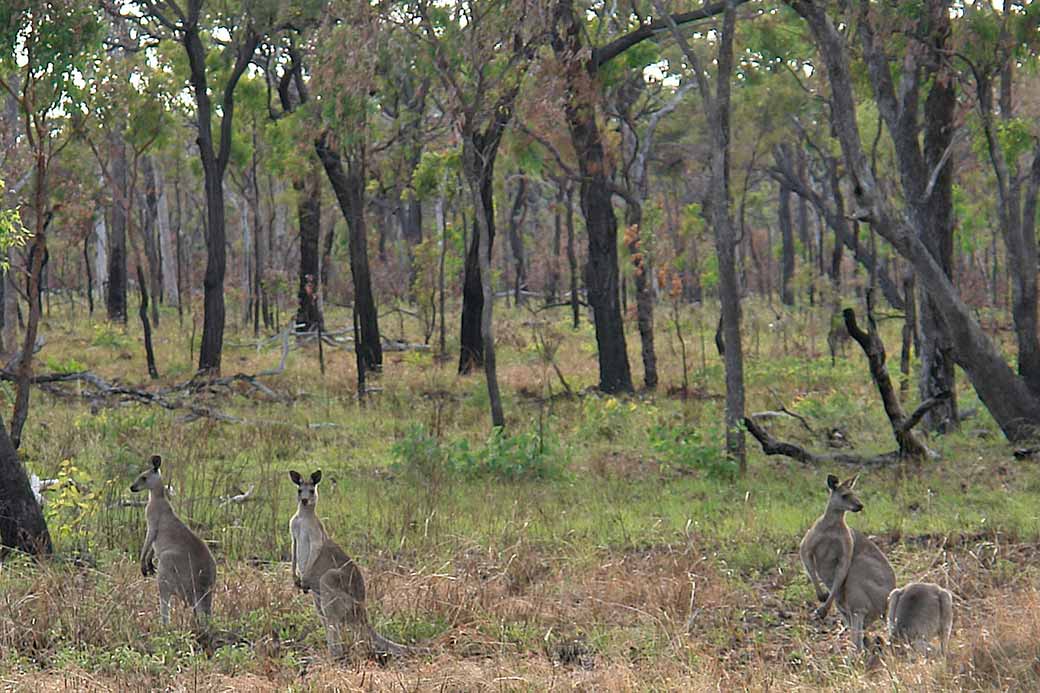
x: 45, y: 51
x: 582, y: 52
x: 902, y: 221
x: 219, y: 42
x: 997, y: 45
x: 481, y: 50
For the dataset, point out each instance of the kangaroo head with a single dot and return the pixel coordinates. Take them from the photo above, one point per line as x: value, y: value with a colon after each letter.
x: 149, y: 478
x: 842, y: 498
x: 306, y: 490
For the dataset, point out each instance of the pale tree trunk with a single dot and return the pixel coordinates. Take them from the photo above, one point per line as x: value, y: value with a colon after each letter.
x: 167, y: 242
x: 719, y: 212
x: 148, y: 235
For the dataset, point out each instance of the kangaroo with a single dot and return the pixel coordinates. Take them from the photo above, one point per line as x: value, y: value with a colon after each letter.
x: 919, y: 612
x: 186, y: 567
x: 846, y: 568
x: 320, y: 566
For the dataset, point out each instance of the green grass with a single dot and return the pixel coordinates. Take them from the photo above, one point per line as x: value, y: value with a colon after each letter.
x: 595, y: 516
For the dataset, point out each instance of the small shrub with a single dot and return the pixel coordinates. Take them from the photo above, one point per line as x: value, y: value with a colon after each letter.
x: 684, y: 447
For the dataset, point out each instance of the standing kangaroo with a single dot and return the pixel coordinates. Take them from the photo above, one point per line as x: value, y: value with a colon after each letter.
x: 919, y: 612
x: 186, y: 567
x: 846, y: 568
x: 320, y: 566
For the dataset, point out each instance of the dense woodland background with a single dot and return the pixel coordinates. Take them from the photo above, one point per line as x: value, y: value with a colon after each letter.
x: 552, y: 254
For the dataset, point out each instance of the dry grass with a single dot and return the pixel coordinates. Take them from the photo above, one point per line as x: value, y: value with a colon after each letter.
x: 631, y: 572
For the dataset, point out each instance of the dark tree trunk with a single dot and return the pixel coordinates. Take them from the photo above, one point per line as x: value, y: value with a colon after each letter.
x: 308, y: 206
x: 642, y: 271
x: 552, y: 282
x: 471, y: 348
x: 153, y: 372
x: 214, y: 163
x: 601, y: 271
x: 786, y: 247
x: 937, y: 363
x: 349, y: 186
x: 86, y: 268
x: 22, y: 525
x: 572, y: 258
x: 516, y: 242
x: 115, y: 298
x: 148, y: 235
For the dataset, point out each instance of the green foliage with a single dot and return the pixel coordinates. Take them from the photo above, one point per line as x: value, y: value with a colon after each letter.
x: 70, y: 510
x: 69, y: 365
x: 686, y: 447
x: 12, y: 233
x: 434, y: 170
x: 526, y: 454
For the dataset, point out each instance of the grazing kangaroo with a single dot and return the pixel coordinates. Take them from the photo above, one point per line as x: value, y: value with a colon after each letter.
x: 186, y: 567
x: 919, y: 612
x: 320, y: 566
x: 846, y: 568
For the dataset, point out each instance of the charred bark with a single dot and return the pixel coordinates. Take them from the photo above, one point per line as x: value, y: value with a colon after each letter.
x: 308, y: 208
x: 349, y: 185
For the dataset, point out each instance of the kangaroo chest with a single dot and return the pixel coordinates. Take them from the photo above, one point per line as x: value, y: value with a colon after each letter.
x: 308, y: 537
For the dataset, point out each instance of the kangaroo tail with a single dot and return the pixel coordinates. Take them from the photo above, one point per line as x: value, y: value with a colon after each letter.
x: 385, y: 647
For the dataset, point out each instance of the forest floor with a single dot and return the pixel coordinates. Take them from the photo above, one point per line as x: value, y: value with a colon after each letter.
x: 603, y: 545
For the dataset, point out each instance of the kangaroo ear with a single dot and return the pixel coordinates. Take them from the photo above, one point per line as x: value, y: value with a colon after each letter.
x: 156, y: 461
x: 832, y: 482
x: 296, y: 478
x: 851, y: 483
x: 316, y: 477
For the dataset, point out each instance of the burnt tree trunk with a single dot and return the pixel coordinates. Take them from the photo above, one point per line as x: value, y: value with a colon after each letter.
x: 572, y: 258
x: 516, y: 242
x: 349, y: 185
x: 602, y: 276
x: 308, y: 208
x: 115, y: 296
x: 642, y: 271
x: 786, y: 246
x: 214, y: 164
x: 22, y: 525
x: 471, y: 348
x: 153, y: 372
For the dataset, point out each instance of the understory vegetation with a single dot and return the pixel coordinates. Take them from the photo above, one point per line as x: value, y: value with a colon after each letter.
x: 599, y: 542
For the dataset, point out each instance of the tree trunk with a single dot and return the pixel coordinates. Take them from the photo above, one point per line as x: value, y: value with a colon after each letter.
x: 516, y: 242
x: 308, y: 206
x: 214, y: 164
x: 471, y: 348
x: 572, y: 257
x: 786, y: 247
x: 115, y: 300
x: 22, y: 525
x: 478, y: 176
x: 148, y: 234
x: 167, y: 241
x: 642, y: 271
x: 349, y: 186
x: 601, y: 271
x: 153, y: 372
x: 552, y: 280
x: 1005, y: 395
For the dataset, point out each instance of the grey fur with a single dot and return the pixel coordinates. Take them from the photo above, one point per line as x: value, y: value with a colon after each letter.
x: 320, y: 566
x: 186, y: 566
x: 846, y: 568
x: 919, y: 612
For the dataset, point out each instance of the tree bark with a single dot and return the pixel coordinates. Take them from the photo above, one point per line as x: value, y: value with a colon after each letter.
x: 115, y: 297
x: 602, y: 277
x: 153, y: 372
x: 786, y: 246
x: 167, y: 241
x: 572, y: 258
x: 308, y: 206
x: 516, y: 242
x: 349, y: 185
x: 148, y: 234
x: 642, y: 270
x: 22, y: 525
x: 214, y: 163
x: 472, y: 344
x: 1015, y: 408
